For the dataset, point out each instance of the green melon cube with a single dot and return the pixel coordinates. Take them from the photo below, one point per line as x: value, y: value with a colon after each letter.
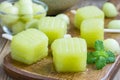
x: 53, y: 27
x: 18, y: 27
x: 29, y: 46
x: 69, y: 54
x: 92, y: 30
x: 25, y: 10
x: 87, y: 13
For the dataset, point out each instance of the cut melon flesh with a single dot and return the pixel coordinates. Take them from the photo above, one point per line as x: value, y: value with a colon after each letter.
x: 38, y: 11
x: 10, y: 15
x: 92, y: 30
x: 32, y: 24
x: 25, y: 7
x: 87, y: 12
x: 53, y: 27
x: 29, y: 46
x: 18, y: 27
x: 26, y: 10
x: 69, y: 54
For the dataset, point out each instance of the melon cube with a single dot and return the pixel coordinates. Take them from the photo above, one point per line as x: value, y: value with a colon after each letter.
x: 92, y: 30
x: 69, y: 54
x: 26, y: 10
x: 29, y: 46
x: 87, y: 13
x: 18, y: 27
x: 53, y: 27
x: 10, y: 15
x: 38, y: 11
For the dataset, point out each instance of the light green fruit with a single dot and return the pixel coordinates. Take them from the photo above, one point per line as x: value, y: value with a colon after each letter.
x: 64, y: 17
x: 18, y: 27
x: 11, y: 15
x: 92, y: 30
x: 69, y: 54
x: 38, y: 11
x: 37, y: 8
x: 110, y: 10
x: 4, y: 5
x: 114, y: 24
x: 29, y: 46
x: 53, y: 27
x: 32, y: 24
x: 11, y: 10
x: 17, y: 5
x: 26, y: 18
x: 25, y: 10
x: 25, y: 7
x: 87, y: 12
x: 112, y: 45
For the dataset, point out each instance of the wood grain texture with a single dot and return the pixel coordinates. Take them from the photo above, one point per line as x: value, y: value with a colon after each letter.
x: 44, y: 69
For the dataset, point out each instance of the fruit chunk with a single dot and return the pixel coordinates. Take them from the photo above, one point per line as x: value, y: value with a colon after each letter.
x: 87, y: 12
x: 25, y: 9
x: 4, y: 5
x: 64, y: 17
x: 114, y: 24
x: 53, y: 27
x: 32, y: 24
x: 69, y: 54
x: 38, y: 11
x: 18, y: 27
x: 92, y: 30
x: 112, y: 45
x: 10, y: 15
x: 110, y: 10
x: 29, y: 46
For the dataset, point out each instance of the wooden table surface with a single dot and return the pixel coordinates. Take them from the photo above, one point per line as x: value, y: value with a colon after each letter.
x: 5, y: 44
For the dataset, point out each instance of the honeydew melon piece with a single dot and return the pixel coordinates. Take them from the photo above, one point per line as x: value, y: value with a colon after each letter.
x: 32, y: 24
x: 10, y: 15
x: 53, y: 27
x: 87, y: 13
x: 16, y: 4
x: 69, y: 54
x: 25, y: 9
x: 110, y: 10
x: 92, y: 30
x: 112, y: 45
x: 29, y: 46
x: 18, y: 27
x: 4, y: 5
x: 114, y: 24
x: 38, y: 11
x: 64, y: 17
x: 26, y: 18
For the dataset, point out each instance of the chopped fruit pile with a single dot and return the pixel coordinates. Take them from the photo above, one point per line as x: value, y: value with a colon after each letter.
x: 69, y: 54
x: 22, y: 12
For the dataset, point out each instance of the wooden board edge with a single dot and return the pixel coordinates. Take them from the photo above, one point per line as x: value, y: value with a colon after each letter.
x: 113, y: 70
x: 18, y: 73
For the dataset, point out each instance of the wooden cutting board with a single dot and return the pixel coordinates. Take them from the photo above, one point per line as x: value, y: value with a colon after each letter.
x: 44, y: 69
